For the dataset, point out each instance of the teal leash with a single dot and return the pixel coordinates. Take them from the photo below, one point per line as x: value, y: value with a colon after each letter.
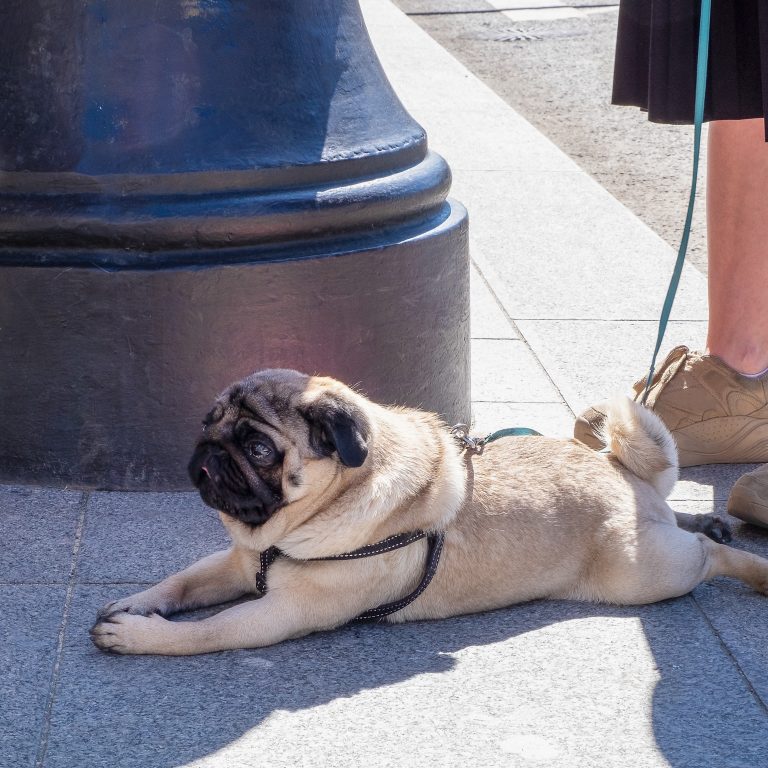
x: 698, y: 121
x: 510, y: 432
x: 461, y: 433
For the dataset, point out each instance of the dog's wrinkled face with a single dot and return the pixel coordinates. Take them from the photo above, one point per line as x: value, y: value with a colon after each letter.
x: 260, y: 434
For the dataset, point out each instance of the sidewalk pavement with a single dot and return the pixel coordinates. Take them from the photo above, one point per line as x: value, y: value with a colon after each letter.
x: 567, y: 285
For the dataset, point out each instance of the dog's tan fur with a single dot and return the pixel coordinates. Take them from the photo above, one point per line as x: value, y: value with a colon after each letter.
x: 528, y: 518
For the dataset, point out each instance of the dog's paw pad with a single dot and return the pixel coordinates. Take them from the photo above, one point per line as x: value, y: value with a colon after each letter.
x: 717, y: 528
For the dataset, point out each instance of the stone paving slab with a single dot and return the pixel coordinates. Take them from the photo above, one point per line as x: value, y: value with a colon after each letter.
x: 30, y: 619
x: 593, y: 360
x: 536, y: 217
x: 487, y: 316
x: 566, y: 249
x: 142, y: 712
x: 710, y: 483
x: 544, y: 683
x: 43, y: 526
x: 704, y: 713
x: 144, y: 537
x: 531, y: 10
x: 504, y: 369
x: 737, y: 614
x: 551, y: 419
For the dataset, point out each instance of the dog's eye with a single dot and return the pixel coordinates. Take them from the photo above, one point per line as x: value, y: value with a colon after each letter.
x: 260, y: 452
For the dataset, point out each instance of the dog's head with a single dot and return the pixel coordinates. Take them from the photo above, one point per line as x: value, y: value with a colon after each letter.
x: 265, y: 433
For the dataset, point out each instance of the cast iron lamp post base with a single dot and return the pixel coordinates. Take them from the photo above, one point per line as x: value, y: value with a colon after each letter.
x: 192, y: 191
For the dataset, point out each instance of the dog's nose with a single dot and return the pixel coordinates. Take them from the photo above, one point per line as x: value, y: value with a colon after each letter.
x: 203, y: 465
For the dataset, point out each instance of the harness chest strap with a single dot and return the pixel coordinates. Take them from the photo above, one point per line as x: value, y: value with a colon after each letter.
x: 434, y: 540
x: 434, y: 548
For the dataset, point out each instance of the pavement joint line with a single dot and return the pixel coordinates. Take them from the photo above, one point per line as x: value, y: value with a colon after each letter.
x: 77, y: 583
x: 604, y: 320
x: 548, y: 10
x: 519, y: 402
x: 492, y: 290
x: 487, y: 275
x: 45, y: 730
x: 459, y: 168
x: 116, y: 583
x: 556, y: 7
x: 726, y: 649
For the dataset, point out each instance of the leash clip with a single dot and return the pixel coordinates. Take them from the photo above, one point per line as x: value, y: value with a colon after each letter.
x: 460, y: 433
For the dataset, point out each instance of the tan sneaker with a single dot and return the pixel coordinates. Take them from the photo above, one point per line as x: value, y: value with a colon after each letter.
x: 716, y: 414
x: 749, y: 497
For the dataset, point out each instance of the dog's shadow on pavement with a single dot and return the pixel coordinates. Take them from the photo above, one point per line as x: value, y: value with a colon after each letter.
x: 164, y: 712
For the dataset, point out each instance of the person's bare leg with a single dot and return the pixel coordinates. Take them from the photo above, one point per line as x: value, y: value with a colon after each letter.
x: 737, y: 235
x: 718, y: 411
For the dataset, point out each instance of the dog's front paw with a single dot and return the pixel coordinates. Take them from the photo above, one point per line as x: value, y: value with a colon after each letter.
x: 129, y: 633
x: 140, y: 604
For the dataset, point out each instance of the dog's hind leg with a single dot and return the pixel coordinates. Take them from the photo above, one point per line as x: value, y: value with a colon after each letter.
x: 669, y: 562
x: 727, y: 561
x: 700, y: 559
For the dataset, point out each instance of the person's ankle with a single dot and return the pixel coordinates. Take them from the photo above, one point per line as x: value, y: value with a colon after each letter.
x: 748, y: 360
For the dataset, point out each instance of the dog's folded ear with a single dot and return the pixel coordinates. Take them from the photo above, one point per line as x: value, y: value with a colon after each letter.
x: 335, y: 425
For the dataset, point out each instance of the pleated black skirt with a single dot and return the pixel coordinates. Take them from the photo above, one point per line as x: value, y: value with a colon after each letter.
x: 656, y: 49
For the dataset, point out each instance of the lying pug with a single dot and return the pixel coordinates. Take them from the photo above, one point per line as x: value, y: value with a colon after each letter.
x: 339, y: 509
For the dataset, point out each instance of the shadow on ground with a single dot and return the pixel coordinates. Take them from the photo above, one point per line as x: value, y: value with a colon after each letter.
x: 544, y: 673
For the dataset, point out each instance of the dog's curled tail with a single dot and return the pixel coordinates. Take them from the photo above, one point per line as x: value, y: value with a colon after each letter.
x: 642, y: 443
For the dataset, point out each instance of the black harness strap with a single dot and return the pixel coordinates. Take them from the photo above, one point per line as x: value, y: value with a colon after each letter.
x: 434, y: 548
x: 435, y: 542
x: 267, y: 557
x: 385, y: 545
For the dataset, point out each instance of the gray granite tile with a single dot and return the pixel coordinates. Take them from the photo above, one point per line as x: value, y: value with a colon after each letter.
x: 30, y: 618
x: 489, y: 134
x: 135, y: 712
x: 709, y: 482
x: 505, y: 370
x: 43, y: 524
x: 699, y: 507
x: 751, y: 538
x: 563, y: 245
x: 590, y: 361
x: 143, y: 537
x: 738, y: 614
x: 700, y: 697
x: 487, y: 317
x: 552, y: 419
x: 542, y: 682
x: 565, y: 248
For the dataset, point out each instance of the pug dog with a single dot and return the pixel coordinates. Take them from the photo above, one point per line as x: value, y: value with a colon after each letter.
x: 340, y: 508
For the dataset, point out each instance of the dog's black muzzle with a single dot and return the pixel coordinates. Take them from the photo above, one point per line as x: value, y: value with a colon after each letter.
x: 223, y: 486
